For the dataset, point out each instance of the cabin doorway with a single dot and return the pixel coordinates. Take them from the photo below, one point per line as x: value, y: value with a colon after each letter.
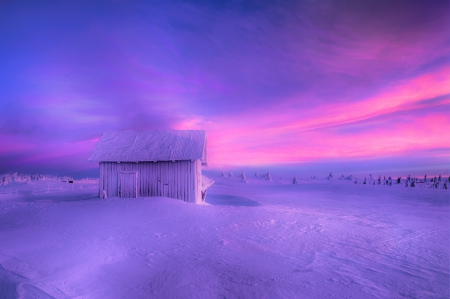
x: 165, y: 190
x: 127, y: 184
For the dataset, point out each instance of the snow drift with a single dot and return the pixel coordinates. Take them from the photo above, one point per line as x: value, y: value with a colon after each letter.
x: 260, y: 239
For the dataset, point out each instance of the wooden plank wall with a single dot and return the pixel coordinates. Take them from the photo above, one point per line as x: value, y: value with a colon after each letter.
x: 179, y: 179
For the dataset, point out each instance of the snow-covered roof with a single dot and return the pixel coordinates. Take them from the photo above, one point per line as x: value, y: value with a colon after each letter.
x: 136, y: 146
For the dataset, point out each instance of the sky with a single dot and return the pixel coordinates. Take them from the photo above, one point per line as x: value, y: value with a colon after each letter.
x: 272, y: 82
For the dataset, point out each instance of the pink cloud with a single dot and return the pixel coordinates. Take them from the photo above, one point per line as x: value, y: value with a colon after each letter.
x: 292, y: 134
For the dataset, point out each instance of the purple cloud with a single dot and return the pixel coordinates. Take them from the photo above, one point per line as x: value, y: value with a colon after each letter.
x: 266, y: 70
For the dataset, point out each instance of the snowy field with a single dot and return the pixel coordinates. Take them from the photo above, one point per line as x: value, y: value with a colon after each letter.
x: 261, y: 239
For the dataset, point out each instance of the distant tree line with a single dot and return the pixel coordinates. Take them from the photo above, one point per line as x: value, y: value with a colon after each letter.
x: 14, y: 177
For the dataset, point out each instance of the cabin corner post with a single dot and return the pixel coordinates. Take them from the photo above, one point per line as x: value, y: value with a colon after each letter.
x: 100, y: 181
x: 198, y: 181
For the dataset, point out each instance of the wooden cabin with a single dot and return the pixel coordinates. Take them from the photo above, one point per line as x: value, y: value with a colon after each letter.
x: 152, y: 163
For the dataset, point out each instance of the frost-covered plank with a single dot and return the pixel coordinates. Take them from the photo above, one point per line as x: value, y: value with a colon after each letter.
x: 100, y: 181
x: 145, y: 179
x: 155, y: 180
x: 184, y: 176
x: 195, y: 178
x: 158, y: 179
x: 141, y: 185
x: 198, y: 179
x: 152, y: 178
x: 165, y: 187
x: 172, y: 185
x: 113, y: 177
x: 191, y: 182
x: 178, y: 180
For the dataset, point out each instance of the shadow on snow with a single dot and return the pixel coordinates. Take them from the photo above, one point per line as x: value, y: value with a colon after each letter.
x: 230, y: 200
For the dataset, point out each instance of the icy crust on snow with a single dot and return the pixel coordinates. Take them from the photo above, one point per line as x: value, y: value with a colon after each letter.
x: 165, y: 145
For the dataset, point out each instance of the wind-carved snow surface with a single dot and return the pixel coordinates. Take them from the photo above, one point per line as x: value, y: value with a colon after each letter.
x: 318, y: 238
